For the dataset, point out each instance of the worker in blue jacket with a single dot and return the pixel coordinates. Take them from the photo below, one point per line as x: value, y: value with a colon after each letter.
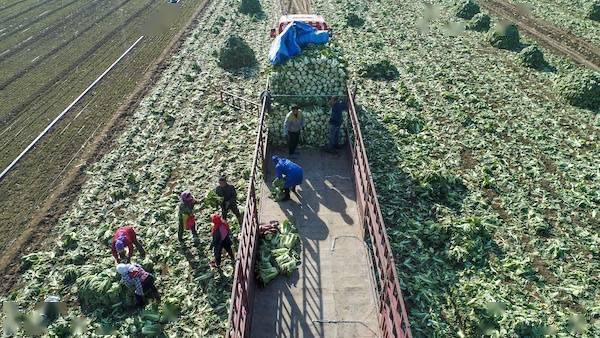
x: 290, y: 172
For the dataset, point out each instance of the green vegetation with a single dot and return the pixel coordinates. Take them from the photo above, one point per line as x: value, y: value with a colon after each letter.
x: 581, y: 88
x: 236, y: 54
x: 277, y: 252
x: 251, y: 7
x: 594, y: 11
x: 532, y: 57
x: 382, y: 70
x: 505, y: 37
x: 480, y: 22
x: 353, y: 20
x: 490, y: 206
x: 467, y: 9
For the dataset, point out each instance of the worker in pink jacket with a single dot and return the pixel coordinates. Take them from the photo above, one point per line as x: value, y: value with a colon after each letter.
x: 125, y: 237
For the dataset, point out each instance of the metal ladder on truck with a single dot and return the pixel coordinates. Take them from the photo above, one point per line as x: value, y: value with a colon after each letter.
x: 346, y: 285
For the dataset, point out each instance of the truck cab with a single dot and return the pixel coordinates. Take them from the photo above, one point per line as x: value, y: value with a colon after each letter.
x: 314, y: 20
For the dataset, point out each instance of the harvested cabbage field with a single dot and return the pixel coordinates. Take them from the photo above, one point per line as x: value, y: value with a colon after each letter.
x: 483, y: 147
x: 488, y: 182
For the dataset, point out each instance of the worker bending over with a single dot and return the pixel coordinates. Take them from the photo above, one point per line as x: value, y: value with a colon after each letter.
x: 125, y: 237
x: 221, y: 239
x: 187, y: 218
x: 229, y: 195
x: 290, y: 172
x: 292, y: 126
x: 143, y: 282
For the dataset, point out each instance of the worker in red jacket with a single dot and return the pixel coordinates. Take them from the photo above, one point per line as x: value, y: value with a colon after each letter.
x: 125, y: 237
x: 220, y: 240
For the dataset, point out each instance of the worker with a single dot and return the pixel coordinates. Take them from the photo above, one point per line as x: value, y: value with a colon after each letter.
x: 125, y: 237
x: 335, y: 122
x: 220, y: 240
x: 290, y: 172
x: 143, y: 282
x: 187, y: 218
x: 229, y: 195
x: 292, y: 126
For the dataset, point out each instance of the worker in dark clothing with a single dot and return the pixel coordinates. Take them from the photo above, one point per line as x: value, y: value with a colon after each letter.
x: 335, y: 122
x: 229, y: 195
x: 290, y: 172
x: 125, y: 237
x: 187, y: 218
x: 221, y: 239
x: 143, y: 282
x: 292, y: 126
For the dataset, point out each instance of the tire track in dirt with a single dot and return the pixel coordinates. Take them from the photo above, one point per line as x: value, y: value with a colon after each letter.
x: 11, y: 5
x: 39, y: 227
x: 548, y: 35
x: 37, y: 19
x: 26, y: 11
x: 54, y: 50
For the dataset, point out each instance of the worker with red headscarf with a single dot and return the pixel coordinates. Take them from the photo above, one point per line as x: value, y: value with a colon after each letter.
x: 221, y: 239
x: 125, y: 237
x: 187, y: 218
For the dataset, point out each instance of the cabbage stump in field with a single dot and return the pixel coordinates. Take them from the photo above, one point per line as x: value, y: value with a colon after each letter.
x: 236, y: 54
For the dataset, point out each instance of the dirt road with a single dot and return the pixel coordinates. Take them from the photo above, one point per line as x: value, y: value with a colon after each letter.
x: 547, y: 35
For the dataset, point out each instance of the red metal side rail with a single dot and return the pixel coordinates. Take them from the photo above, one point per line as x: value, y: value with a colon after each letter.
x: 244, y: 282
x: 393, y: 320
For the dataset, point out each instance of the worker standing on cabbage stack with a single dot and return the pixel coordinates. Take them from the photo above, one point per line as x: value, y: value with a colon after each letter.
x: 143, y: 282
x: 125, y: 237
x: 290, y: 172
x: 292, y: 126
x: 220, y: 240
x: 229, y: 195
x: 187, y: 218
x: 335, y: 122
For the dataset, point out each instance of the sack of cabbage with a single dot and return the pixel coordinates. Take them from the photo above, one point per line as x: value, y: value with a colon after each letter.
x: 316, y: 129
x: 277, y: 253
x: 318, y: 71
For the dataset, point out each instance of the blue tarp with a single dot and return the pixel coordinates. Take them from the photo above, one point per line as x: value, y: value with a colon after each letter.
x: 295, y: 36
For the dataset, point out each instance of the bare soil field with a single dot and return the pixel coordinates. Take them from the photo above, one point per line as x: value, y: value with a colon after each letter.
x: 49, y: 53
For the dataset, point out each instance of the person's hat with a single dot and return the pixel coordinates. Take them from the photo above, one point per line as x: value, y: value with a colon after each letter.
x: 186, y: 197
x: 122, y: 269
x: 222, y: 179
x: 295, y: 106
x: 275, y: 159
x: 120, y: 243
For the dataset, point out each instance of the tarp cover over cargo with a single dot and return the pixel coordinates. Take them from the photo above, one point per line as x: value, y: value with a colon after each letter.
x: 310, y: 76
x: 295, y: 36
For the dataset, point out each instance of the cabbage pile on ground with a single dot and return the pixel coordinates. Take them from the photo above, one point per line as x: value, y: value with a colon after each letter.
x: 581, y: 88
x: 467, y: 9
x: 235, y: 54
x: 505, y: 37
x: 594, y: 11
x: 532, y: 57
x: 480, y: 22
x: 319, y: 71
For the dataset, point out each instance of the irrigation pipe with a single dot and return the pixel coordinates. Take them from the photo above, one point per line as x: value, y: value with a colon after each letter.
x: 45, y: 131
